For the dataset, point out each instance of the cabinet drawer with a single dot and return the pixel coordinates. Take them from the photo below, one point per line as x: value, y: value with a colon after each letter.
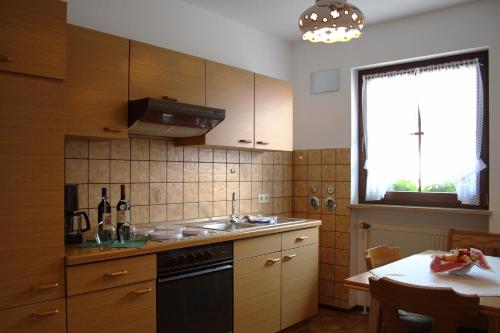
x: 302, y: 237
x: 252, y: 247
x: 107, y: 274
x: 41, y: 317
x: 130, y: 308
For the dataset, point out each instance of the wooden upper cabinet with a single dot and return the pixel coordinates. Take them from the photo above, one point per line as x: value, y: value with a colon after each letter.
x: 231, y: 89
x: 158, y: 73
x: 273, y: 114
x: 33, y: 37
x: 96, y: 85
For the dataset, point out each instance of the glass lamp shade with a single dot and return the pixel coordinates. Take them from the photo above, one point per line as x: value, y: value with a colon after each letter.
x: 331, y: 21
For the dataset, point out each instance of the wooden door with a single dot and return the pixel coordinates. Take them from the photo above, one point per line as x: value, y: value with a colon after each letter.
x: 31, y: 191
x: 257, y: 293
x: 299, y: 295
x: 33, y: 37
x: 45, y: 317
x: 231, y: 89
x: 273, y: 114
x: 131, y: 308
x: 96, y: 85
x: 156, y: 72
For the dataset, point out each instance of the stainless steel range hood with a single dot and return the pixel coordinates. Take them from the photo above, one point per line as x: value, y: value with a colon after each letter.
x: 172, y: 119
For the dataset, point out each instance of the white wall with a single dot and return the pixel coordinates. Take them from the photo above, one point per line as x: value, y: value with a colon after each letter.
x: 182, y: 27
x: 325, y: 120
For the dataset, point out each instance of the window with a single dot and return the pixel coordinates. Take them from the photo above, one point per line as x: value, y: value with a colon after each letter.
x: 423, y: 133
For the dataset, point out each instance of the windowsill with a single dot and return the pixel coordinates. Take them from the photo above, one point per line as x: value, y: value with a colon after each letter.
x: 439, y: 210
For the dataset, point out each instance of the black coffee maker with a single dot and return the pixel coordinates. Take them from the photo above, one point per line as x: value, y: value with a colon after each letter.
x: 73, y: 217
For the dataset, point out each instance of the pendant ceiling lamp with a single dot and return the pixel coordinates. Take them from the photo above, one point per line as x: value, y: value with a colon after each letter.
x: 331, y: 21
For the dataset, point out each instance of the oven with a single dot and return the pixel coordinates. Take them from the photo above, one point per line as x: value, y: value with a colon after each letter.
x: 195, y: 289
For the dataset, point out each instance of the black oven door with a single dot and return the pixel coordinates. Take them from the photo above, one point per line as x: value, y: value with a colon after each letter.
x: 193, y: 301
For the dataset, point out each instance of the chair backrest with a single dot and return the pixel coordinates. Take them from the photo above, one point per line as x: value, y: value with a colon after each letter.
x: 488, y: 243
x: 447, y: 308
x: 381, y: 255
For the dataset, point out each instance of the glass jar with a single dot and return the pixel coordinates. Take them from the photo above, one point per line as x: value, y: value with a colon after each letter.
x: 105, y: 232
x: 127, y: 232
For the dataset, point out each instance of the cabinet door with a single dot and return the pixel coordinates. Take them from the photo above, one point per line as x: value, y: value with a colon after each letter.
x: 131, y: 308
x: 45, y: 317
x: 231, y: 89
x: 96, y: 85
x: 31, y: 191
x: 257, y: 293
x: 33, y: 37
x: 299, y: 296
x: 273, y: 114
x: 158, y: 73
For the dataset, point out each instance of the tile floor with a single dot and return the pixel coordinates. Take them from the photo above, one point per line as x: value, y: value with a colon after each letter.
x: 332, y: 321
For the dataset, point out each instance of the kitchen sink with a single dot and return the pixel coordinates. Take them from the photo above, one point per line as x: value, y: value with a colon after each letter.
x: 226, y: 225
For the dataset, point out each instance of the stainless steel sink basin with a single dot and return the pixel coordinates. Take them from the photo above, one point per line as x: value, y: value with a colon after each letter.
x: 226, y: 225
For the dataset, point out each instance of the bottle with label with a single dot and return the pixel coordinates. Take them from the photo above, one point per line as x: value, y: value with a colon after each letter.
x: 104, y: 208
x: 105, y: 229
x: 122, y: 211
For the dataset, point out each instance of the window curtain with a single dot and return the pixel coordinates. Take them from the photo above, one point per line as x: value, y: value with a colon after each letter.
x: 444, y: 95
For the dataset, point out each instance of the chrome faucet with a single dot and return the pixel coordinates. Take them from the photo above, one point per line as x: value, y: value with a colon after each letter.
x: 234, y: 216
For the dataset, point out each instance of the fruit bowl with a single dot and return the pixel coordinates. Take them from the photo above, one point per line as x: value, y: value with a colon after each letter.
x: 459, y: 261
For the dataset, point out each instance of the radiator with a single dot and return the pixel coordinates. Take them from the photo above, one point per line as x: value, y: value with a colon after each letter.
x: 409, y: 239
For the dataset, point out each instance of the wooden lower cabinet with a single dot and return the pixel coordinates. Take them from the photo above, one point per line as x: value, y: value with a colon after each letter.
x: 42, y: 317
x: 257, y: 294
x: 299, y: 284
x: 130, y: 308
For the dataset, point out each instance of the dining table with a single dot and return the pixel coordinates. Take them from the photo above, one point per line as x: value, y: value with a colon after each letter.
x: 415, y: 270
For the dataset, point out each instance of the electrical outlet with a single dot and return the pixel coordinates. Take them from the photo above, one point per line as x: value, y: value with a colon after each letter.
x: 262, y: 198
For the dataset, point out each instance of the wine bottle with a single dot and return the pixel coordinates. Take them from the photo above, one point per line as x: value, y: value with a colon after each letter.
x: 122, y: 211
x: 104, y: 208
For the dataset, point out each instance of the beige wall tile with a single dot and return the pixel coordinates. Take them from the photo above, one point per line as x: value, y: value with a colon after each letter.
x: 157, y: 172
x: 76, y: 171
x: 190, y: 211
x: 325, y: 186
x: 245, y: 172
x: 206, y: 155
x: 343, y: 223
x: 219, y: 172
x: 343, y: 173
x: 139, y: 214
x: 233, y: 187
x: 175, y: 193
x: 76, y: 149
x: 287, y: 158
x: 95, y: 196
x: 268, y: 187
x: 343, y: 207
x: 268, y: 157
x: 328, y: 173
x: 220, y: 208
x: 327, y: 239
x: 278, y: 189
x: 329, y: 222
x: 191, y: 154
x: 191, y: 192
x: 206, y: 172
x: 245, y: 206
x: 341, y: 292
x: 314, y: 156
x: 288, y: 205
x: 326, y: 288
x: 139, y: 194
x: 190, y: 172
x: 220, y: 191
x: 206, y: 191
x: 326, y: 272
x: 83, y: 196
x: 139, y: 171
x: 342, y: 240
x: 287, y: 188
x: 256, y: 189
x: 233, y: 172
x: 278, y: 157
x: 256, y: 157
x: 328, y: 156
x: 287, y: 172
x: 245, y: 156
x: 158, y: 193
x: 278, y: 172
x: 139, y: 149
x: 300, y: 215
x: 120, y: 149
x: 220, y: 155
x: 120, y: 172
x: 99, y: 171
x: 246, y: 191
x: 175, y: 172
x: 327, y: 255
x: 175, y: 212
x: 300, y: 172
x: 314, y: 189
x: 256, y: 172
x: 267, y: 208
x: 300, y: 204
x: 343, y: 155
x: 99, y: 150
x: 341, y: 273
x: 342, y: 257
x: 157, y: 150
x: 174, y: 153
x: 277, y: 205
x: 300, y: 189
x: 206, y: 209
x: 157, y: 213
x: 300, y: 157
x: 343, y: 190
x: 314, y: 172
x: 233, y: 156
x: 267, y: 172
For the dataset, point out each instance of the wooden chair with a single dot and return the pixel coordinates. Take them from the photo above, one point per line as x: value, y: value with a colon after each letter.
x: 447, y: 308
x: 488, y: 243
x: 381, y: 255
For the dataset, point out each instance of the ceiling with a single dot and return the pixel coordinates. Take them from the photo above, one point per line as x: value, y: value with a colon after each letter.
x: 279, y: 17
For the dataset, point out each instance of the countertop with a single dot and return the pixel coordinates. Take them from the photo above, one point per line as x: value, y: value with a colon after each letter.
x: 76, y: 255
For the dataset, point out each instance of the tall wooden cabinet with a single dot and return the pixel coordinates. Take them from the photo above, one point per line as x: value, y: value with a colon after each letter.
x: 96, y: 84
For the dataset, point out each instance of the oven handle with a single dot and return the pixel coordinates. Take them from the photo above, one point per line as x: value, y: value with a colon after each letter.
x: 196, y: 273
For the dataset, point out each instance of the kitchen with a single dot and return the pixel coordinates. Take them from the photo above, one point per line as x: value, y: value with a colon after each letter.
x: 87, y: 78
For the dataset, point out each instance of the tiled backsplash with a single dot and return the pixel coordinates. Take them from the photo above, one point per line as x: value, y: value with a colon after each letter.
x: 321, y: 170
x: 169, y: 183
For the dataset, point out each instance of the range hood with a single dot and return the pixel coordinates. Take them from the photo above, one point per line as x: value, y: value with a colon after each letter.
x: 170, y: 118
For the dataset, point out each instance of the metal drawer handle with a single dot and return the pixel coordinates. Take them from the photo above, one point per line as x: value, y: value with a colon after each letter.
x: 46, y: 286
x: 141, y: 291
x: 4, y: 58
x: 113, y: 129
x: 272, y: 261
x: 300, y: 239
x: 116, y: 274
x: 170, y: 98
x: 244, y: 141
x: 289, y: 257
x: 262, y: 143
x: 46, y: 313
